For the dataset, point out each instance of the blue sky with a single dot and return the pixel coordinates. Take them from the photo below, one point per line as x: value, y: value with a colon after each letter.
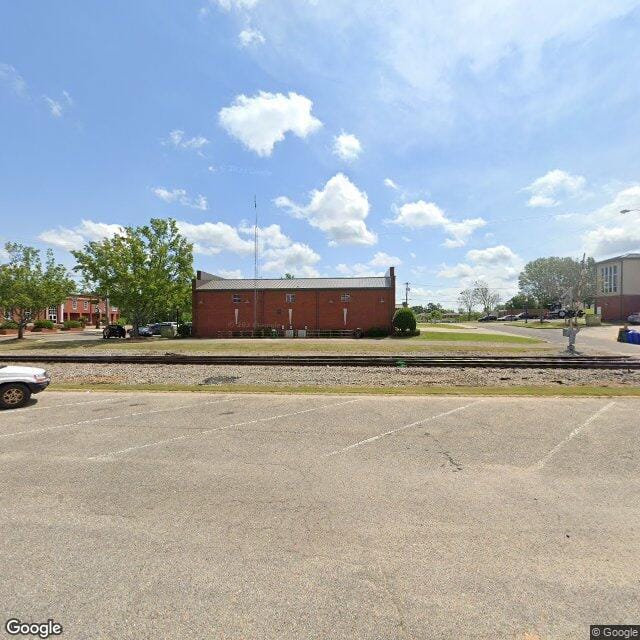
x: 455, y: 140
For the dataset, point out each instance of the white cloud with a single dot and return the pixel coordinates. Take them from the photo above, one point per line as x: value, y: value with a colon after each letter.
x: 499, y: 254
x: 549, y: 189
x: 339, y: 210
x: 608, y: 232
x: 298, y: 258
x: 212, y: 238
x: 11, y: 78
x: 227, y: 5
x: 368, y: 269
x: 262, y: 120
x: 77, y: 237
x: 388, y: 182
x: 180, y: 196
x: 347, y: 147
x: 421, y: 214
x: 59, y: 106
x: 231, y: 274
x: 250, y: 36
x: 177, y: 139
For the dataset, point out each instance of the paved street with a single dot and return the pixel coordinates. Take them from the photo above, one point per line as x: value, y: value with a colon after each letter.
x: 230, y: 516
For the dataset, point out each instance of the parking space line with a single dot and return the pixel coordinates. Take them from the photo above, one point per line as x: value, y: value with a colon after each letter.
x: 392, y: 431
x: 55, y: 406
x: 106, y: 418
x: 106, y: 456
x: 538, y: 465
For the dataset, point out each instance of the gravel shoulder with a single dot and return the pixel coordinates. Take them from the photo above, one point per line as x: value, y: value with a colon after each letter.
x: 212, y: 375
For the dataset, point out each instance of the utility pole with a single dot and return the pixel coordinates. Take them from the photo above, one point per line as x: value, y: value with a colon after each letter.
x: 255, y: 267
x: 406, y: 294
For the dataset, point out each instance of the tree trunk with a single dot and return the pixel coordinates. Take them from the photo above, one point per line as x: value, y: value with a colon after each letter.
x: 21, y: 326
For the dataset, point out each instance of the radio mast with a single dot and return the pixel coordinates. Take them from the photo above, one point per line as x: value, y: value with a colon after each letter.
x: 255, y: 266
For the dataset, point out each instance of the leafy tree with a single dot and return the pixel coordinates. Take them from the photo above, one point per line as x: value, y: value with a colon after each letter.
x: 146, y: 271
x: 485, y: 296
x: 551, y: 280
x: 27, y: 287
x: 467, y: 300
x: 418, y: 309
x: 289, y: 276
x: 404, y: 320
x: 521, y: 301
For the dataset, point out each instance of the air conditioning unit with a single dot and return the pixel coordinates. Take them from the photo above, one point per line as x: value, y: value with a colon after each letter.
x: 302, y: 333
x: 289, y: 333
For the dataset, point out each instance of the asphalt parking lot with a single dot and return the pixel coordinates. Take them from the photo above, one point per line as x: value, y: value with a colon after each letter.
x: 131, y: 515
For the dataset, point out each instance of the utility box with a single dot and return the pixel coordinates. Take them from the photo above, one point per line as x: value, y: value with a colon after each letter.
x: 302, y: 333
x: 289, y: 333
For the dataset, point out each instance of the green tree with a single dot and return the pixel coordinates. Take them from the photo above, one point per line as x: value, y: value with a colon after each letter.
x: 27, y: 286
x: 289, y: 276
x: 404, y: 320
x: 146, y: 271
x: 551, y: 280
x: 521, y: 301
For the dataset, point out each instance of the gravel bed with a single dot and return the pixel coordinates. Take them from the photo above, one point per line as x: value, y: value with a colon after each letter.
x: 331, y: 376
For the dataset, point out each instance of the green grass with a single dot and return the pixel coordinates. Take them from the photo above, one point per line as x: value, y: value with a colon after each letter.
x: 468, y: 336
x: 528, y: 391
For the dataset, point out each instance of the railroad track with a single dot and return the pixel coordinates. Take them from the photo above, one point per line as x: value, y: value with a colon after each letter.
x: 501, y: 362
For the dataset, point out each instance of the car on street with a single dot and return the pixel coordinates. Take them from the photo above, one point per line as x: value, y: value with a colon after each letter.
x: 490, y: 317
x: 525, y: 315
x: 634, y: 318
x: 114, y: 331
x: 508, y: 318
x: 17, y: 384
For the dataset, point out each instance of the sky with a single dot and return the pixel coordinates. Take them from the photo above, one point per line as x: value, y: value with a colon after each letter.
x: 455, y: 140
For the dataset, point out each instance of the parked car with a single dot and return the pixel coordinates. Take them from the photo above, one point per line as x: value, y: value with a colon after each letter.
x: 507, y: 318
x: 560, y: 314
x: 18, y: 383
x: 154, y: 327
x: 114, y: 331
x: 525, y: 315
x: 634, y: 318
x: 490, y: 317
x: 143, y: 332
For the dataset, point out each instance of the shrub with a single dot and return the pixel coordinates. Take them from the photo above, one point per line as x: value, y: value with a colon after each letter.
x: 376, y: 332
x: 407, y: 334
x: 184, y: 331
x: 9, y: 324
x: 43, y: 324
x: 404, y: 320
x: 72, y: 324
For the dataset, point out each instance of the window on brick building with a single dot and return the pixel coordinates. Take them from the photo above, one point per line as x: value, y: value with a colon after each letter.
x: 52, y: 313
x: 74, y: 304
x: 8, y: 314
x: 289, y: 297
x: 609, y: 277
x: 345, y: 297
x: 85, y: 305
x: 236, y: 298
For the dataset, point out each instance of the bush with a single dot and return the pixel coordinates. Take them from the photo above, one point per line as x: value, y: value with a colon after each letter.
x: 184, y: 331
x: 404, y: 320
x: 43, y: 324
x: 9, y: 324
x: 72, y: 324
x: 407, y: 334
x: 376, y: 332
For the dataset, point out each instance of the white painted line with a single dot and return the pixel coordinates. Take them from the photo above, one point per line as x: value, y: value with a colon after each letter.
x: 406, y: 426
x: 106, y: 456
x: 55, y: 406
x: 538, y: 465
x: 105, y: 418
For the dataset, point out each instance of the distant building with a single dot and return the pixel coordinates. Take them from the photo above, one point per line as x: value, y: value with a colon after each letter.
x: 224, y: 305
x: 618, y: 286
x: 77, y: 307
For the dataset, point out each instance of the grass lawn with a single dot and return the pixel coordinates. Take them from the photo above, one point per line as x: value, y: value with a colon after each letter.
x: 532, y: 390
x: 428, y: 341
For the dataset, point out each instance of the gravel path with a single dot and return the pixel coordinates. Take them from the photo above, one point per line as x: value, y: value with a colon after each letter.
x: 332, y: 376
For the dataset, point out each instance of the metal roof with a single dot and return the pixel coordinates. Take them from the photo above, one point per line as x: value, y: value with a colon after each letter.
x: 295, y: 283
x: 624, y: 256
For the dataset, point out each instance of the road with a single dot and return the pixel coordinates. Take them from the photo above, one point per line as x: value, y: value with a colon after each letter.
x: 590, y: 340
x: 286, y: 517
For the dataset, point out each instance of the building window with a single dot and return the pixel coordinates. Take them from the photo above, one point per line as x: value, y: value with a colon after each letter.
x: 85, y: 305
x: 609, y: 277
x: 345, y: 297
x: 74, y: 304
x: 289, y: 297
x: 8, y: 314
x: 52, y: 313
x: 236, y: 298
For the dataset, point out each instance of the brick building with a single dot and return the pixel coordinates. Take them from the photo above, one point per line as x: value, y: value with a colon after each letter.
x: 317, y: 304
x: 618, y: 286
x: 77, y: 307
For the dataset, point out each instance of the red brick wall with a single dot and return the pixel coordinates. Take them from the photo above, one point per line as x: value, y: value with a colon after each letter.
x: 618, y: 308
x: 214, y: 311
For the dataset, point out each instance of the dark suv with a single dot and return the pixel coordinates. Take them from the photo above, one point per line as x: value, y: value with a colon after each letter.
x: 114, y: 331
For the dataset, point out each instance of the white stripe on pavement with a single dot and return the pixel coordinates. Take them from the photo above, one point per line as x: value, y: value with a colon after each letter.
x: 11, y: 412
x: 106, y: 456
x: 573, y: 434
x: 392, y: 431
x: 105, y: 418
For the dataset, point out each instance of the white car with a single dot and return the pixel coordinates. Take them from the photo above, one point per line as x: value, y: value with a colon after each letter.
x: 634, y: 318
x: 18, y: 383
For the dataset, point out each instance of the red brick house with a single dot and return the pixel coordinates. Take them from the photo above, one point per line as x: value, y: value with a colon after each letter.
x: 618, y: 287
x: 77, y: 307
x: 224, y: 305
